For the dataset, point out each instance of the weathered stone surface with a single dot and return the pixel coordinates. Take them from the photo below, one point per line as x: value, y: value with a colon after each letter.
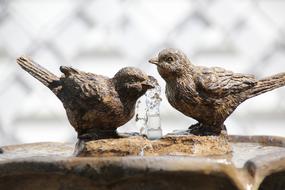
x: 253, y: 164
x: 169, y: 145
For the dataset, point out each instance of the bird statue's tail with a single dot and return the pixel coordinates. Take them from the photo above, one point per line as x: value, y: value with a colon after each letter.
x: 44, y: 76
x: 268, y: 84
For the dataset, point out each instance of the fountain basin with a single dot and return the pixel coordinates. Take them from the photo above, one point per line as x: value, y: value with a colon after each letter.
x: 255, y: 163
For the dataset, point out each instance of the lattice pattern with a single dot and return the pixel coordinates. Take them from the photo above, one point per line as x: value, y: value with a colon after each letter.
x: 103, y: 35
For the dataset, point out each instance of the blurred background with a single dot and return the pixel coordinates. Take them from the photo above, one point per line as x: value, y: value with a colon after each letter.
x: 103, y: 36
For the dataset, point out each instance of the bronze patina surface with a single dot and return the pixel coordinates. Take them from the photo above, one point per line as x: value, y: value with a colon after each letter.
x: 95, y: 105
x: 208, y: 95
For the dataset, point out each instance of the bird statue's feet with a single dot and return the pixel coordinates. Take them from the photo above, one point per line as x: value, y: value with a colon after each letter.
x: 98, y: 134
x: 92, y: 135
x: 201, y: 129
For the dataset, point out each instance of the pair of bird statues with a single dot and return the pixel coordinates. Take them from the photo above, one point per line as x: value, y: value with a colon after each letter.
x: 97, y: 105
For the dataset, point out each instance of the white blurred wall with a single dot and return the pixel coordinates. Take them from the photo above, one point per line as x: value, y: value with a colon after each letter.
x: 102, y: 36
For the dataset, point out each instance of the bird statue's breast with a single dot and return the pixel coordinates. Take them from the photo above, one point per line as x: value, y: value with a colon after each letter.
x: 176, y: 95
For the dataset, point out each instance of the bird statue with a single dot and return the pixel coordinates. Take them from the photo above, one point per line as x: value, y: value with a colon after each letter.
x: 209, y: 95
x: 95, y: 105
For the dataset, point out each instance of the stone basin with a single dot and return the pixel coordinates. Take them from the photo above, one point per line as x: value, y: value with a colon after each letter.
x: 256, y: 163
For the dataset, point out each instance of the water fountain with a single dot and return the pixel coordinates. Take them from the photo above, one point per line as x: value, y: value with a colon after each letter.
x: 134, y: 161
x: 150, y: 142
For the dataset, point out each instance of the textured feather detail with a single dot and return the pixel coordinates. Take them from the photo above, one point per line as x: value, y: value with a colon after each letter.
x: 43, y: 75
x: 267, y: 84
x: 218, y: 82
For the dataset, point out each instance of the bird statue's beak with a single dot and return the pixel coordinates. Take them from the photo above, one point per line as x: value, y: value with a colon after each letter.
x: 154, y: 60
x: 148, y: 84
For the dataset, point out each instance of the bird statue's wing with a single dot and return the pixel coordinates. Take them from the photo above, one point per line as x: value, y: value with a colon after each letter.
x: 218, y: 82
x: 94, y: 87
x: 67, y: 71
x: 88, y: 87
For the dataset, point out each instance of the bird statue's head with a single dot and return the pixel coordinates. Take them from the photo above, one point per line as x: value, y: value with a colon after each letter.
x: 170, y: 63
x: 132, y: 83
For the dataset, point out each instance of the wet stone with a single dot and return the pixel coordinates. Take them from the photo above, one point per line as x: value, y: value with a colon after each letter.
x: 168, y: 145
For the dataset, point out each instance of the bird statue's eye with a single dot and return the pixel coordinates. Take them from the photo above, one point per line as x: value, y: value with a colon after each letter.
x: 135, y: 79
x: 132, y: 80
x: 169, y: 59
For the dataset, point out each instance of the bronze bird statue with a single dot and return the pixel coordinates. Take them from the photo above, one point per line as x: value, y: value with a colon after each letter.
x: 95, y: 105
x: 209, y: 95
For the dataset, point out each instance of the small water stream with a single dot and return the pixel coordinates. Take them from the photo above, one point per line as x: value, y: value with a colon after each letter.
x: 148, y: 113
